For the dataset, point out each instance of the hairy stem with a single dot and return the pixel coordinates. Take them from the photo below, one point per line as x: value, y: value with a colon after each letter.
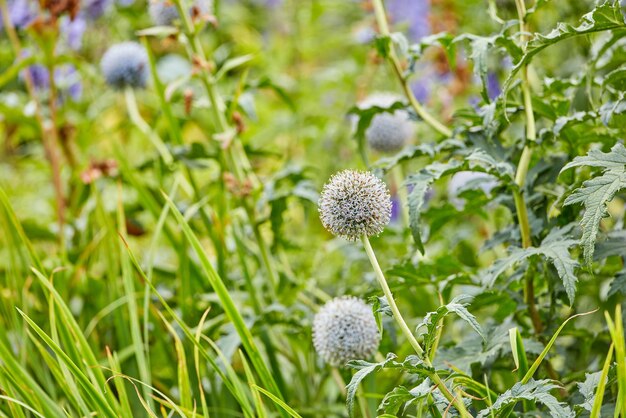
x: 383, y: 26
x: 453, y: 399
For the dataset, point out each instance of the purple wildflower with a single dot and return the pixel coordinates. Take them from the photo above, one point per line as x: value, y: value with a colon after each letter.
x: 493, y: 86
x: 73, y: 30
x: 414, y: 13
x: 95, y: 8
x: 21, y: 12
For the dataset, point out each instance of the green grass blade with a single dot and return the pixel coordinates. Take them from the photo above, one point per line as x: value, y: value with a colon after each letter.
x: 545, y: 351
x: 227, y: 304
x: 96, y: 398
x: 282, y: 404
x: 597, y: 403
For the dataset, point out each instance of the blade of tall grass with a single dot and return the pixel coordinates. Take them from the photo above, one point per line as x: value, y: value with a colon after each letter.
x: 277, y: 401
x: 24, y: 383
x: 227, y: 304
x: 256, y: 396
x: 196, y: 360
x: 141, y: 349
x: 122, y: 395
x: 533, y: 368
x: 87, y: 357
x: 95, y: 398
x: 616, y: 329
x: 243, y: 402
x: 597, y: 402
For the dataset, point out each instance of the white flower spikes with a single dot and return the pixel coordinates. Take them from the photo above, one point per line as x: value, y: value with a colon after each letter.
x: 355, y: 203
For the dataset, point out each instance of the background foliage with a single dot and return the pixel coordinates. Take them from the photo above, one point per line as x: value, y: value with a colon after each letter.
x: 161, y: 251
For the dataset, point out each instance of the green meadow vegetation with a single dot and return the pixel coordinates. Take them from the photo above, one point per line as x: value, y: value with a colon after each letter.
x: 312, y: 208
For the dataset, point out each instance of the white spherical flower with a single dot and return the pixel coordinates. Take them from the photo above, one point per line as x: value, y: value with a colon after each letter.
x: 387, y: 132
x: 125, y: 65
x: 355, y: 203
x: 464, y: 180
x: 345, y: 329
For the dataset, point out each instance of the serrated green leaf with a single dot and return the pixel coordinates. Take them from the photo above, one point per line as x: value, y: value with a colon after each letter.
x: 432, y: 320
x: 606, y: 16
x: 364, y: 369
x: 555, y: 247
x: 402, y: 397
x: 534, y: 390
x: 420, y: 183
x: 596, y: 193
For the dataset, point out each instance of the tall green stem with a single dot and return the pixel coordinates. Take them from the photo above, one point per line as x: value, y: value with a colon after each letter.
x: 383, y: 26
x: 380, y: 276
x: 522, y: 171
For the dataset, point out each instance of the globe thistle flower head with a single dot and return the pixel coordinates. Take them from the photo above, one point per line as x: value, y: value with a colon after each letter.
x: 387, y: 132
x: 125, y: 65
x: 165, y: 13
x: 355, y: 203
x: 344, y: 329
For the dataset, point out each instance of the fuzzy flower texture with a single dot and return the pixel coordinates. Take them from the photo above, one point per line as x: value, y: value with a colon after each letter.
x: 125, y: 65
x: 345, y: 329
x: 388, y: 132
x: 164, y: 12
x: 355, y: 203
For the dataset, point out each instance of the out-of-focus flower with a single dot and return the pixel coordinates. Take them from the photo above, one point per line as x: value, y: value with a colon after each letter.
x: 388, y: 132
x: 414, y: 13
x: 493, y: 85
x: 72, y: 30
x: 93, y: 9
x: 125, y: 65
x: 345, y: 329
x: 21, y: 12
x: 66, y: 79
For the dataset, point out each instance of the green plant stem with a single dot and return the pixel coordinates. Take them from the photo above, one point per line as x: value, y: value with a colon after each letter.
x: 521, y: 173
x: 383, y: 26
x: 142, y: 125
x: 380, y: 276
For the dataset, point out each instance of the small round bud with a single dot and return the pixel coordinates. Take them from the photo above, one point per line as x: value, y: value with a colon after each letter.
x: 355, y: 203
x: 165, y: 13
x: 344, y: 329
x: 387, y: 132
x: 125, y: 65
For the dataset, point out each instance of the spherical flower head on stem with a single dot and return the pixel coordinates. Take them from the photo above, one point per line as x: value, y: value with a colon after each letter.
x: 165, y: 13
x: 125, y: 65
x: 388, y: 131
x: 355, y: 203
x: 344, y: 329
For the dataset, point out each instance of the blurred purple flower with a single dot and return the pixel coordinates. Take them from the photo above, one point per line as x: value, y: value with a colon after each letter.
x: 73, y: 30
x: 421, y: 88
x: 66, y: 78
x: 493, y: 86
x: 414, y: 13
x: 396, y: 210
x: 39, y: 76
x: 21, y: 12
x: 95, y: 8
